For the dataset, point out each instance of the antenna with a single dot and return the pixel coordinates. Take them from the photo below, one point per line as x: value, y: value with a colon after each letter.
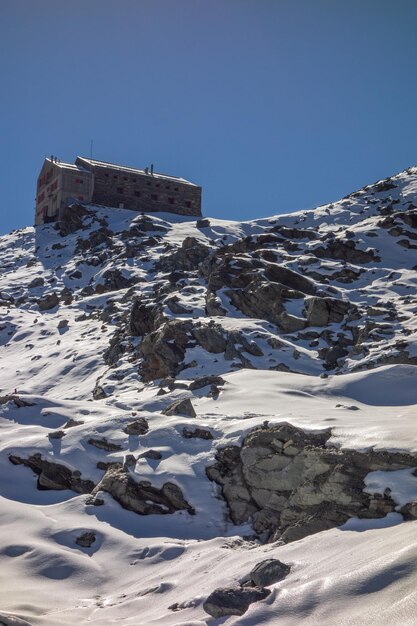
x: 91, y: 150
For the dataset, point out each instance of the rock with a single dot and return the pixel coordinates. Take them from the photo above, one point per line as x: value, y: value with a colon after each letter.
x: 62, y: 324
x: 154, y: 455
x: 57, y: 434
x: 53, y: 475
x: 139, y: 427
x: 141, y: 497
x: 291, y: 484
x: 180, y: 407
x: 204, y: 381
x: 17, y: 401
x: 114, y: 281
x: 324, y: 311
x: 86, y: 540
x: 187, y: 258
x: 144, y: 318
x: 36, y: 282
x: 104, y: 444
x: 197, y: 433
x: 233, y: 600
x: 268, y: 572
x: 99, y: 393
x: 71, y: 219
x: 409, y: 510
x: 48, y: 301
x: 72, y: 422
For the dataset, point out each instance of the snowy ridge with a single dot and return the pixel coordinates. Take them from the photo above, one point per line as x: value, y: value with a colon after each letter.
x: 307, y: 318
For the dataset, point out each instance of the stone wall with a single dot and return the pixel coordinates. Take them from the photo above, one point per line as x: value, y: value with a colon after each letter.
x: 144, y: 192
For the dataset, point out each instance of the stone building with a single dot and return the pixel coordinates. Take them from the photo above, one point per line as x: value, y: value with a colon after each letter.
x: 96, y: 182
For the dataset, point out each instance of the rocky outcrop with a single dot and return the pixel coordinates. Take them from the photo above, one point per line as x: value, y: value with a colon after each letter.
x: 186, y: 258
x: 290, y: 484
x: 53, y: 475
x: 71, y: 219
x: 139, y: 426
x: 141, y: 497
x: 144, y: 318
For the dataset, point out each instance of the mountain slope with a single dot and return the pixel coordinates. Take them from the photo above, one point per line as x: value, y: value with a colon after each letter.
x: 111, y: 317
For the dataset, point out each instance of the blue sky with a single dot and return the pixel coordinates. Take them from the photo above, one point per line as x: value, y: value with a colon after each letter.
x: 270, y: 105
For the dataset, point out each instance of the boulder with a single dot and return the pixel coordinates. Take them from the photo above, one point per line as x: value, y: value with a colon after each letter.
x: 86, y: 540
x: 235, y: 600
x: 53, y: 475
x: 141, y: 497
x: 48, y: 301
x: 104, y: 444
x: 180, y: 407
x: 269, y: 572
x: 197, y: 433
x: 139, y: 426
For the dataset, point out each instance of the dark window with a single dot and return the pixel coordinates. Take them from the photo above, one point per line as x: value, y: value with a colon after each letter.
x: 79, y: 181
x: 137, y: 194
x: 106, y: 175
x: 167, y: 187
x: 149, y: 184
x: 133, y: 180
x: 175, y: 188
x: 158, y: 185
x: 119, y: 189
x: 154, y: 196
x: 114, y: 175
x: 125, y: 178
x: 171, y: 200
x: 188, y: 204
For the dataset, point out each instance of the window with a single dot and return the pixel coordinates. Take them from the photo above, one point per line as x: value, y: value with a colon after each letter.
x: 171, y: 200
x: 149, y: 184
x: 154, y: 196
x: 114, y: 175
x: 79, y: 181
x: 133, y: 180
x: 158, y: 185
x: 119, y: 189
x: 188, y: 204
x: 137, y: 194
x: 125, y: 178
x: 175, y: 188
x: 106, y: 175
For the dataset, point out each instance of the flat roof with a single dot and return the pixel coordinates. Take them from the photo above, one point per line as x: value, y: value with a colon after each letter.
x: 70, y: 166
x: 124, y: 168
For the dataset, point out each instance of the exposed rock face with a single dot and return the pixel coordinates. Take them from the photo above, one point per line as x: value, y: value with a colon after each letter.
x: 113, y: 281
x: 71, y: 219
x: 191, y: 253
x: 324, y: 311
x: 142, y: 497
x: 197, y: 433
x: 54, y: 475
x: 233, y: 600
x: 104, y: 444
x: 291, y: 485
x: 144, y: 318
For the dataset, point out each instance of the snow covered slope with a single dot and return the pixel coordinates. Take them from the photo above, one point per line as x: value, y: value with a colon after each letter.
x: 108, y: 319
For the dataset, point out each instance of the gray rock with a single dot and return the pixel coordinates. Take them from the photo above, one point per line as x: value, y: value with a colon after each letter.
x: 233, y: 600
x: 36, y: 282
x: 104, y: 444
x: 86, y: 540
x: 48, y: 301
x: 53, y: 475
x: 154, y: 455
x: 139, y: 426
x: 268, y: 572
x: 181, y: 407
x: 197, y: 433
x: 141, y: 497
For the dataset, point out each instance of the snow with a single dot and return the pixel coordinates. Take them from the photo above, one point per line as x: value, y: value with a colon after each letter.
x: 362, y: 573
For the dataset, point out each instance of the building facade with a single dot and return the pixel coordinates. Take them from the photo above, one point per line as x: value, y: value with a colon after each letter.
x: 96, y: 182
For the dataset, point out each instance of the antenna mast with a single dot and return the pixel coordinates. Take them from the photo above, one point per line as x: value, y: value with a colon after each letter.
x: 91, y: 150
